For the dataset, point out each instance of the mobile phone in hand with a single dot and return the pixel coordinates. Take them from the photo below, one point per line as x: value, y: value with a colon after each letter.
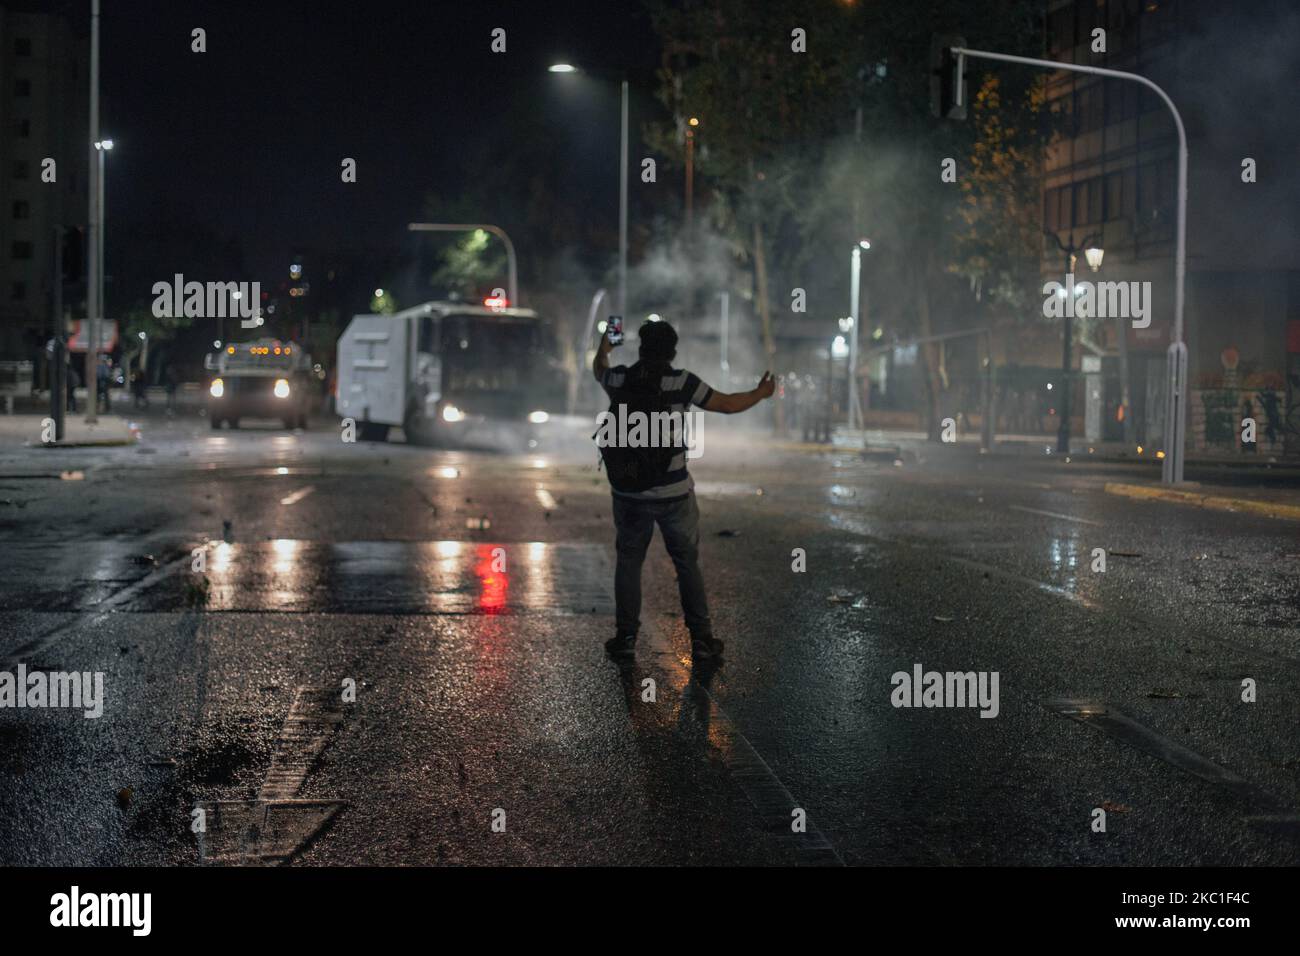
x: 614, y: 329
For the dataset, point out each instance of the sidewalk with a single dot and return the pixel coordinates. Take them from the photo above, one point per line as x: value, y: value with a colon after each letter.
x: 29, y: 430
x: 881, y: 441
x: 1258, y: 484
x: 1270, y: 502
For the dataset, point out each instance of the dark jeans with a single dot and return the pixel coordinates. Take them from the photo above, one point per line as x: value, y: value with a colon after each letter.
x: 679, y: 523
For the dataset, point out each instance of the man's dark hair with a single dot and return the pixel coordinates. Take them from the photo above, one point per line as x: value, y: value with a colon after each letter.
x: 658, y: 343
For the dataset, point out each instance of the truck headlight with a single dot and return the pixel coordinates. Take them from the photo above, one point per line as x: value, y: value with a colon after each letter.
x: 539, y: 417
x: 217, y: 388
x: 281, y: 388
x: 450, y: 413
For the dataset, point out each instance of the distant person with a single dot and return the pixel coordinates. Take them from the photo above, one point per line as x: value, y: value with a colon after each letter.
x: 74, y: 383
x: 170, y: 383
x: 102, y: 375
x: 139, y: 388
x: 664, y: 494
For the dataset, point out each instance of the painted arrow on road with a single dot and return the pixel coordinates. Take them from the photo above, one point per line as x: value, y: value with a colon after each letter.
x: 273, y: 827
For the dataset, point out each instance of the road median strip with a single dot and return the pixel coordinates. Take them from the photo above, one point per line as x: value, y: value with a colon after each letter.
x: 1271, y: 509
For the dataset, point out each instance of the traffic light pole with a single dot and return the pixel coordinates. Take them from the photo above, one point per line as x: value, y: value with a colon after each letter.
x: 1176, y: 407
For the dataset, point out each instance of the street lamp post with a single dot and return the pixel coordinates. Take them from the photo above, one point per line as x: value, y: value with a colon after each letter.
x: 92, y: 232
x: 723, y: 334
x: 854, y: 294
x: 690, y: 175
x: 1067, y: 338
x: 102, y: 148
x: 622, y: 184
x: 622, y: 206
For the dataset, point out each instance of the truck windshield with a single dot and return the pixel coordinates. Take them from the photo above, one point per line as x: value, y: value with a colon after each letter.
x: 489, y: 354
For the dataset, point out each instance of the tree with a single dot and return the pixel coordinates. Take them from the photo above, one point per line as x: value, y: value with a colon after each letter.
x: 767, y: 111
x: 1001, y: 197
x: 918, y: 212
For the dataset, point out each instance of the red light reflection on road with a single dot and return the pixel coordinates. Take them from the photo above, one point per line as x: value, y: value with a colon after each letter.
x: 493, y: 581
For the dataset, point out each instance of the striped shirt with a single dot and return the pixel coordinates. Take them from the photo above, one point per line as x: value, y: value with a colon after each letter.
x: 680, y: 390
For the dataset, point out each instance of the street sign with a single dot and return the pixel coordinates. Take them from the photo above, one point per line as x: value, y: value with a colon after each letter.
x: 107, y: 336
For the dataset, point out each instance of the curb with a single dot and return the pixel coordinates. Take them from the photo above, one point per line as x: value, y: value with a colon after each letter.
x: 1218, y: 502
x: 105, y: 443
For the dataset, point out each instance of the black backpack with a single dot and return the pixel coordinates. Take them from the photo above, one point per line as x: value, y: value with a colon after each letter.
x: 642, y: 468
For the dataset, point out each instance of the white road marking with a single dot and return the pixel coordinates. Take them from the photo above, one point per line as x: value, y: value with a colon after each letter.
x: 298, y: 495
x: 1054, y: 514
x: 1141, y: 737
x: 275, y: 825
x: 761, y: 785
x: 91, y: 621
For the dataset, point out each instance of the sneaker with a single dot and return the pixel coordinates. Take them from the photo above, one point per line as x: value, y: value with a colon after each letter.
x: 705, y: 648
x: 621, y: 645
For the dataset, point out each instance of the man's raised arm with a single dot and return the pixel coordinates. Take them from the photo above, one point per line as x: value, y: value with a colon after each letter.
x: 600, y: 364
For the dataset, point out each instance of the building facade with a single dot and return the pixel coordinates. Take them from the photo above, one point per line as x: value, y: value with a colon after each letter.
x: 44, y: 95
x: 1110, y: 181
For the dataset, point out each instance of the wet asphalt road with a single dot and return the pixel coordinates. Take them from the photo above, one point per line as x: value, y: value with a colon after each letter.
x: 483, y: 696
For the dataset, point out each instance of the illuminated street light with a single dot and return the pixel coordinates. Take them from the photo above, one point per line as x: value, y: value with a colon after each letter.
x: 855, y: 272
x: 622, y: 185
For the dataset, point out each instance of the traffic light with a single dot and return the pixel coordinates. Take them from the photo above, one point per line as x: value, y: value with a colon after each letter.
x: 947, y: 85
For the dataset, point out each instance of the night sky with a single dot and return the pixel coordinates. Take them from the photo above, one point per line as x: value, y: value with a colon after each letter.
x: 247, y: 138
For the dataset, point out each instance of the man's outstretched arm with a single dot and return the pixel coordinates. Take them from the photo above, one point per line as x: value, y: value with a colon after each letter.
x: 733, y: 402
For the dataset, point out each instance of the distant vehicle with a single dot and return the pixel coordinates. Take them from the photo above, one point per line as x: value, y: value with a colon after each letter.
x: 450, y: 373
x: 262, y: 379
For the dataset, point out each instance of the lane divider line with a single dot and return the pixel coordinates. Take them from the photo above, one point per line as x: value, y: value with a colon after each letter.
x: 297, y: 496
x: 1054, y: 514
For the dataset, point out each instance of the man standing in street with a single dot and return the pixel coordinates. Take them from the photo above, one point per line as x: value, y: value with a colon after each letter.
x: 662, y: 492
